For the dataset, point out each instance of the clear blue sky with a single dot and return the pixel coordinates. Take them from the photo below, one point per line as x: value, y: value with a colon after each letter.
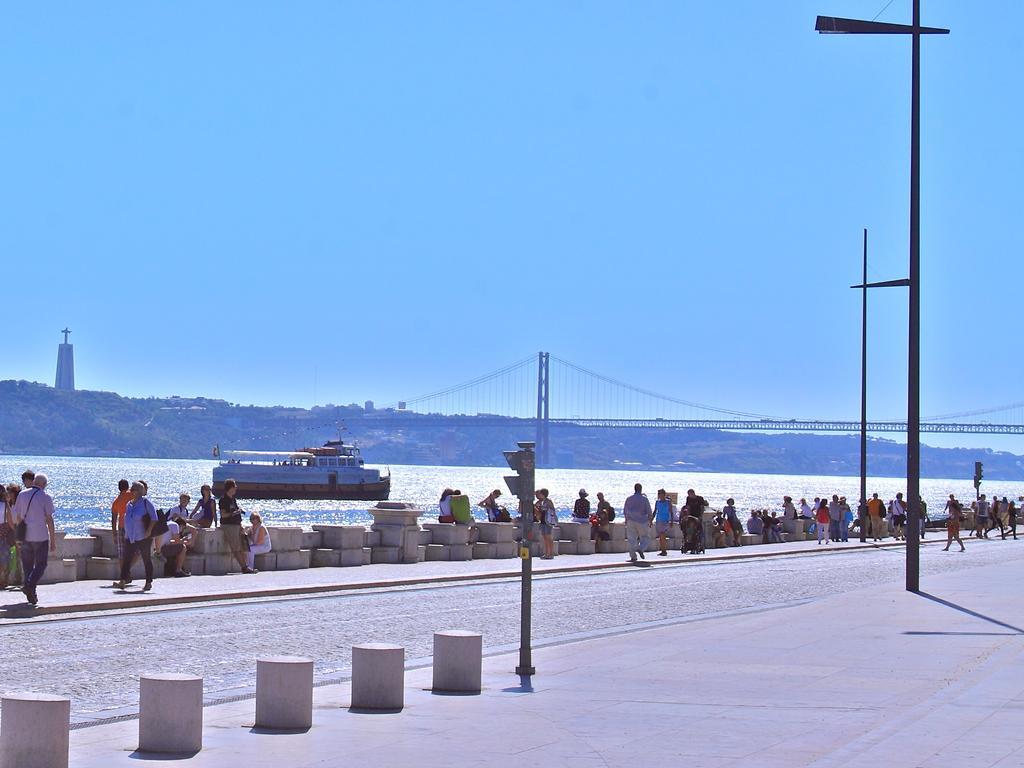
x: 222, y: 198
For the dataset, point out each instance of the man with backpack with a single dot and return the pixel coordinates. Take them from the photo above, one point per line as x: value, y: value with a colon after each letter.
x: 139, y: 520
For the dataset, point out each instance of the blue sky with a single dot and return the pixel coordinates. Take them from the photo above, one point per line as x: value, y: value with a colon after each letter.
x: 233, y: 199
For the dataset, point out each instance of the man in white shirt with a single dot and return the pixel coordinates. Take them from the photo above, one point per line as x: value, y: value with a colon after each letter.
x: 34, y: 507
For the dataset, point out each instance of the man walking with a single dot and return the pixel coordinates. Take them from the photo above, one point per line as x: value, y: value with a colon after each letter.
x: 636, y: 511
x: 34, y: 508
x: 139, y: 519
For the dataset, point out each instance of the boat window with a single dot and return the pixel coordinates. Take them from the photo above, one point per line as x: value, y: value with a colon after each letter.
x: 333, y: 462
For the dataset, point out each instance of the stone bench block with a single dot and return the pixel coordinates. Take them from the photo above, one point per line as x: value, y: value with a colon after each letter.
x: 425, y: 538
x: 284, y: 692
x: 458, y: 661
x: 483, y: 551
x: 209, y: 541
x: 59, y: 572
x: 749, y: 539
x: 584, y: 547
x: 171, y: 713
x: 378, y: 676
x: 325, y: 558
x: 292, y: 560
x: 312, y: 540
x: 459, y: 552
x: 389, y: 555
x: 567, y: 547
x: 574, y: 531
x: 371, y: 539
x: 106, y: 543
x: 341, y: 536
x: 34, y: 730
x: 286, y: 538
x: 506, y: 549
x: 266, y: 562
x: 615, y: 546
x: 218, y: 564
x: 421, y: 553
x: 195, y: 564
x: 81, y: 568
x: 497, y: 533
x: 447, y: 533
x: 435, y: 553
x: 80, y: 546
x: 353, y: 557
x: 102, y: 568
x: 617, y: 531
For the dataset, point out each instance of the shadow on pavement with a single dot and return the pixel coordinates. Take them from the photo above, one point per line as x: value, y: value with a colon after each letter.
x: 969, y: 612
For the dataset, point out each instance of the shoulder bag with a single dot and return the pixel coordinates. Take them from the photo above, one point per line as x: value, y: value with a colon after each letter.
x: 21, y: 529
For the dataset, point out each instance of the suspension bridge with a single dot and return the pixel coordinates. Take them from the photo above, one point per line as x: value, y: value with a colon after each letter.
x: 543, y: 391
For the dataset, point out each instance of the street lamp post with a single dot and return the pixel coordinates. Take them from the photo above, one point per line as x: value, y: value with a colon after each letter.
x: 863, y: 509
x: 834, y: 25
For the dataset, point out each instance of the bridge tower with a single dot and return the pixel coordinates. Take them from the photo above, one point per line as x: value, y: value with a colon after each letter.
x: 543, y: 410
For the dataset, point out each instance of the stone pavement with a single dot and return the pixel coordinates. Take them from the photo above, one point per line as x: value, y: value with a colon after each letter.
x: 875, y: 677
x: 82, y: 596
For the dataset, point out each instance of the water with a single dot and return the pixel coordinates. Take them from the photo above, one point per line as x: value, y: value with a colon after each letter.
x: 84, y: 487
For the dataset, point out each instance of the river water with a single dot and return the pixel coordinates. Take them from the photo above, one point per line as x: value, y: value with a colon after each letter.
x: 84, y: 487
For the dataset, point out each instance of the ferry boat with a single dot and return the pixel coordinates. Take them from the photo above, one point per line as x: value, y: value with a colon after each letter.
x: 334, y: 471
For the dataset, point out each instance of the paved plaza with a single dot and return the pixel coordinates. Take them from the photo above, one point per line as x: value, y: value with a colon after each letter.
x: 874, y: 677
x: 798, y: 673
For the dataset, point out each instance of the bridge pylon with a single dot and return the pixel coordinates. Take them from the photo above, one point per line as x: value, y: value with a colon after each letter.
x: 543, y: 408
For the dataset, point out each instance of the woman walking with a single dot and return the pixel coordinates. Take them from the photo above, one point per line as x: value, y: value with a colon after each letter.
x: 822, y: 520
x: 545, y: 513
x: 953, y: 524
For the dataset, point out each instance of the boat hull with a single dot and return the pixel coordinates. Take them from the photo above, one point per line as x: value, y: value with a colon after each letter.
x: 373, y: 491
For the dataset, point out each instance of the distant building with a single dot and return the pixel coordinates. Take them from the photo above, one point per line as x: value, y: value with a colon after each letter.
x: 401, y: 405
x: 65, y: 364
x: 368, y: 406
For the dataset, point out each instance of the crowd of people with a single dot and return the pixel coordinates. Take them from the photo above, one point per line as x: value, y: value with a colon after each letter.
x: 139, y: 530
x: 831, y: 519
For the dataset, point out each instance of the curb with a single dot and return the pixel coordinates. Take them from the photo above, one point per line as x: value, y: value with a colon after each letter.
x: 18, y: 612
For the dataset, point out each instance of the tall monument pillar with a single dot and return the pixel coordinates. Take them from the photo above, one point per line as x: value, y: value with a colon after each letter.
x: 65, y: 364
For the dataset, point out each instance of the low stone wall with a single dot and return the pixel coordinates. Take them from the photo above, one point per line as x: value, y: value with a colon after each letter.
x: 95, y: 556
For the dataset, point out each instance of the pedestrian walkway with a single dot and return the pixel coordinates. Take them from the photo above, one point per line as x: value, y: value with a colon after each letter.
x: 81, y: 596
x: 875, y: 677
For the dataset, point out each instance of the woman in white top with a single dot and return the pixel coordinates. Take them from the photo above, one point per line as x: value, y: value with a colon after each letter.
x: 259, y: 539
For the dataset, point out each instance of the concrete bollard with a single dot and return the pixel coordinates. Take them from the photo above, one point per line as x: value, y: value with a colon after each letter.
x: 284, y: 692
x: 378, y: 676
x: 34, y: 731
x: 458, y: 659
x: 170, y: 713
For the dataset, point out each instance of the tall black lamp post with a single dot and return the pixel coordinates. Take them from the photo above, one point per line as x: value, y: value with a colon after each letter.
x: 834, y: 25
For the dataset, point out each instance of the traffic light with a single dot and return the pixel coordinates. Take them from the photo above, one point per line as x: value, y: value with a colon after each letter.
x: 524, y: 462
x: 978, y: 474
